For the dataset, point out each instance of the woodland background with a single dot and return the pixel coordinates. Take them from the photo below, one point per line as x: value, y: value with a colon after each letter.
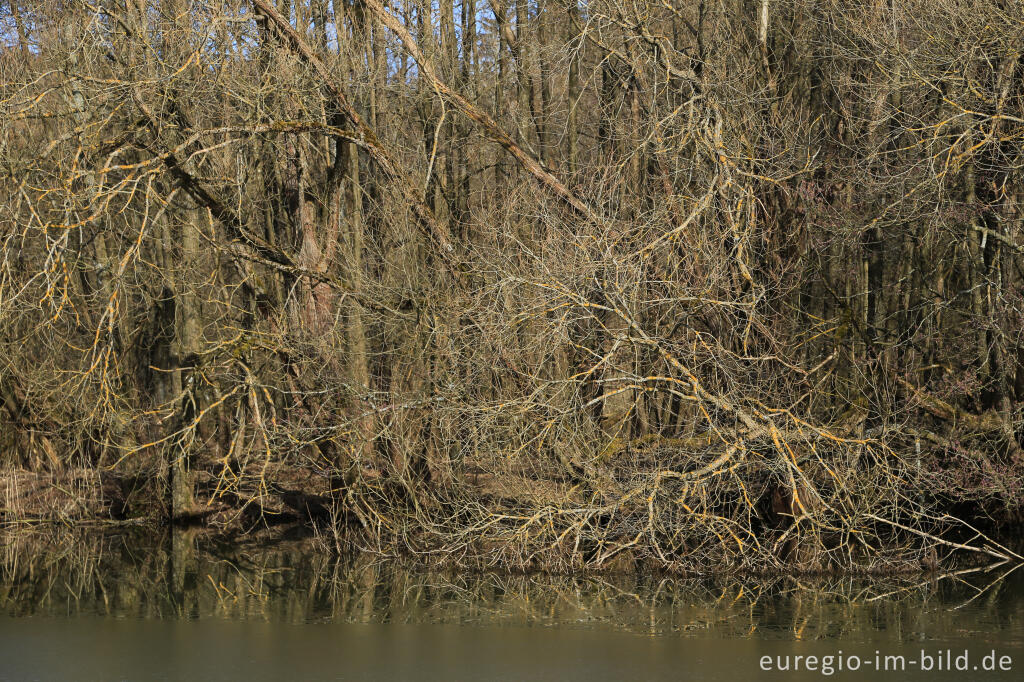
x: 519, y: 283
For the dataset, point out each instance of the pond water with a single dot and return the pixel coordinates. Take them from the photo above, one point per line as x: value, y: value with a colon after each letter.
x: 112, y: 607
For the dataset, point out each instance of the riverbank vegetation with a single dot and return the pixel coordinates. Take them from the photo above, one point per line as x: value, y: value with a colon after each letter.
x: 545, y: 284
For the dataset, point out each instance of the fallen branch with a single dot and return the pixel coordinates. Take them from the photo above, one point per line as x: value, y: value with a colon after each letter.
x: 1006, y: 554
x: 983, y: 423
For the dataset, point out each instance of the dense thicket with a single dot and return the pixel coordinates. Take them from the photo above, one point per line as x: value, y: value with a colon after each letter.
x: 527, y: 283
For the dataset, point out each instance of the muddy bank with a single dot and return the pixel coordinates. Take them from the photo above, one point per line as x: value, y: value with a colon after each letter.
x: 90, y: 496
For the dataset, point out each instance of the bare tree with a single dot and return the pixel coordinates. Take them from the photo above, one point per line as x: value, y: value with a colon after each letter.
x: 529, y: 284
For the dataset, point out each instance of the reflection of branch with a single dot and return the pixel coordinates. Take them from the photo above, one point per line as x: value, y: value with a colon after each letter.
x: 990, y: 585
x: 932, y: 579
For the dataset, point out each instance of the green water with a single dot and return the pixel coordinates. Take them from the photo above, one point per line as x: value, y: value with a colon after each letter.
x: 116, y: 607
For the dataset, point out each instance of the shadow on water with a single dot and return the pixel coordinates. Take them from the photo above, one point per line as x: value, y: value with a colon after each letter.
x: 389, y: 618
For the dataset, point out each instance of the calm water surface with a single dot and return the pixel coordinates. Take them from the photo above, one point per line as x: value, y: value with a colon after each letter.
x: 116, y: 607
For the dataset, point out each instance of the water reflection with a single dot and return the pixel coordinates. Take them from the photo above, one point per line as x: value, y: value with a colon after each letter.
x: 187, y: 576
x: 192, y: 594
